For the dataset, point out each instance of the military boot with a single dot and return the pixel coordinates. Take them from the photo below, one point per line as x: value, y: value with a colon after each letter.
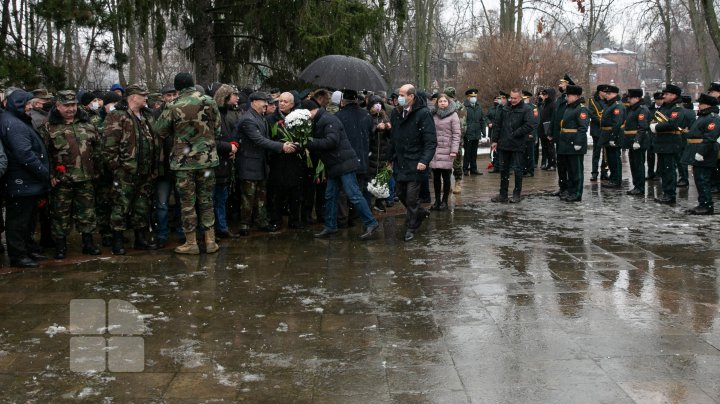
x: 60, y: 248
x: 88, y: 246
x: 141, y: 243
x: 190, y: 246
x: 210, y: 244
x: 117, y: 243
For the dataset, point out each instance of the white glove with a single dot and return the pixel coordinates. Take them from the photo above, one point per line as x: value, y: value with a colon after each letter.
x: 652, y: 127
x: 577, y: 148
x: 699, y: 157
x: 636, y: 146
x: 612, y: 143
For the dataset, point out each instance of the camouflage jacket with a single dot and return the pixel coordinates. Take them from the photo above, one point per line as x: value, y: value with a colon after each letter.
x: 93, y: 117
x: 129, y: 143
x: 72, y: 148
x: 193, y: 120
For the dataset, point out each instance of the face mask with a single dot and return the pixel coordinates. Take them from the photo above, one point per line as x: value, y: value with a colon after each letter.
x: 402, y: 101
x: 376, y: 108
x: 94, y: 105
x: 473, y: 100
x: 111, y: 108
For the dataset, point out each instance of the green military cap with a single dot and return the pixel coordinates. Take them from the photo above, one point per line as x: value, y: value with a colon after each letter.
x: 66, y: 97
x: 154, y: 97
x: 449, y: 91
x: 136, y: 89
x: 42, y: 93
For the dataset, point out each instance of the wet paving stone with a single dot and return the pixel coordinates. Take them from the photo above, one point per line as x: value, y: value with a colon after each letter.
x: 611, y: 300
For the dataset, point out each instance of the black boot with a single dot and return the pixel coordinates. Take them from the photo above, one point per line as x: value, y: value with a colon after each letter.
x: 88, y: 245
x: 117, y: 244
x: 107, y: 240
x: 60, y: 248
x: 141, y: 243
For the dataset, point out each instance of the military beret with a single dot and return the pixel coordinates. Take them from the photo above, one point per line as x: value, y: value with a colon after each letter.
x: 658, y: 95
x: 573, y: 90
x: 715, y: 86
x: 609, y: 88
x: 42, y: 94
x: 635, y: 92
x: 672, y: 89
x: 472, y: 92
x: 708, y: 100
x: 66, y: 97
x: 260, y: 96
x: 133, y: 89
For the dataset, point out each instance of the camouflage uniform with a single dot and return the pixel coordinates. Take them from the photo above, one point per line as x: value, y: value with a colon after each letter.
x: 129, y: 153
x: 193, y: 120
x: 72, y: 152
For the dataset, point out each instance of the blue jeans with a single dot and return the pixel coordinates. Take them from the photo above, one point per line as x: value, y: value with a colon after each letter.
x: 354, y: 195
x: 391, y: 186
x: 162, y: 196
x: 220, y: 197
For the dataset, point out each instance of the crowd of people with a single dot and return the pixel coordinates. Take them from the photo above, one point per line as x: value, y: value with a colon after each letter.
x: 111, y: 161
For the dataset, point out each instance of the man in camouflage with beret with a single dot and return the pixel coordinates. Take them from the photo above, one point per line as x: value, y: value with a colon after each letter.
x: 72, y: 142
x: 193, y: 120
x: 130, y: 155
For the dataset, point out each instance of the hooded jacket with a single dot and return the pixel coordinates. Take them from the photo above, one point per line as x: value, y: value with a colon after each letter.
x: 413, y: 141
x: 229, y: 119
x: 28, y: 172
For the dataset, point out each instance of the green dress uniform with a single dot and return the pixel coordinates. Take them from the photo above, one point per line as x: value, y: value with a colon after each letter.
x: 636, y: 139
x: 561, y: 105
x: 667, y: 143
x: 596, y: 107
x: 611, y: 132
x: 572, y: 147
x: 701, y: 152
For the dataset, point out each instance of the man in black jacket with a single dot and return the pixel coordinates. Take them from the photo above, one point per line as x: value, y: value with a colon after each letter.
x: 27, y: 178
x: 412, y: 147
x: 331, y: 144
x: 254, y: 135
x: 514, y: 124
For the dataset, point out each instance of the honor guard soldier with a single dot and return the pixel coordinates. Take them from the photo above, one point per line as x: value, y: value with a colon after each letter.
x: 715, y: 178
x: 636, y: 138
x: 474, y: 130
x: 72, y: 149
x: 560, y: 105
x: 651, y: 157
x: 701, y: 151
x: 611, y: 132
x: 668, y: 141
x: 596, y: 104
x: 531, y: 141
x: 572, y: 145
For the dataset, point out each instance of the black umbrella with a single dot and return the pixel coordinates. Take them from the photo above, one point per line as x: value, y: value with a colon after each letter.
x: 343, y: 72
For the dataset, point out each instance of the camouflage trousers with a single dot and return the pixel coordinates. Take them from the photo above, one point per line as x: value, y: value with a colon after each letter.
x: 458, y: 162
x: 196, y: 187
x: 252, y: 197
x: 103, y: 203
x: 131, y: 198
x: 72, y: 202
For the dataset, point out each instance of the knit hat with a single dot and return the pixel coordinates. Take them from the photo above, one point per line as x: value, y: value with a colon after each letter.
x: 336, y: 97
x: 183, y: 81
x: 87, y: 98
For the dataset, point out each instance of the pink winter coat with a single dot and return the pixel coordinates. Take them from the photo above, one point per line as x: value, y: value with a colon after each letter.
x: 447, y: 130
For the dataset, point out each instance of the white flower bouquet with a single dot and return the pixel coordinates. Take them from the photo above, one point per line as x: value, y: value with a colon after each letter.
x: 378, y: 186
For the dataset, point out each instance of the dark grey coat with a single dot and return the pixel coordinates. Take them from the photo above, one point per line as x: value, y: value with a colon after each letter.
x: 255, y: 140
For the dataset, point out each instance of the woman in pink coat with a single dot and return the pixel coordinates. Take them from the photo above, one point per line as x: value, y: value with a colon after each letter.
x: 447, y: 127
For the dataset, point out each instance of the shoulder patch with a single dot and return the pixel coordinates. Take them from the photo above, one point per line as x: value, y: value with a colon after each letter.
x: 616, y: 111
x: 711, y: 126
x: 583, y: 115
x: 641, y: 117
x: 674, y: 114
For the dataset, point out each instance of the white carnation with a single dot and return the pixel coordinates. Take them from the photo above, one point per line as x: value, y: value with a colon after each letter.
x: 297, y: 118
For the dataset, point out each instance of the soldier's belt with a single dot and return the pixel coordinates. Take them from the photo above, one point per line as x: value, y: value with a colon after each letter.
x: 695, y: 141
x: 568, y: 130
x: 631, y: 132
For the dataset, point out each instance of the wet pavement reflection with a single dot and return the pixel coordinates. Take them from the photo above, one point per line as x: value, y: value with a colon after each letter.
x: 613, y: 299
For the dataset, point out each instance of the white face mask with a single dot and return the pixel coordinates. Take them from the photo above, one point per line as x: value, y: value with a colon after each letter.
x: 94, y: 105
x: 111, y: 107
x: 473, y: 100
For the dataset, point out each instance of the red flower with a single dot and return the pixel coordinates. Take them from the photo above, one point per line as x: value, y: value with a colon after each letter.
x: 61, y: 169
x: 41, y: 203
x: 281, y: 123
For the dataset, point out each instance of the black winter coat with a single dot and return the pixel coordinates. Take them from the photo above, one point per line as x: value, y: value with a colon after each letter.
x: 254, y: 135
x: 513, y: 126
x: 228, y: 135
x: 28, y: 171
x: 331, y: 144
x: 379, y: 143
x: 358, y: 127
x: 413, y: 140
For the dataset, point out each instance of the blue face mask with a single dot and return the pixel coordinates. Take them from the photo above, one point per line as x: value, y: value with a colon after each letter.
x: 402, y: 101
